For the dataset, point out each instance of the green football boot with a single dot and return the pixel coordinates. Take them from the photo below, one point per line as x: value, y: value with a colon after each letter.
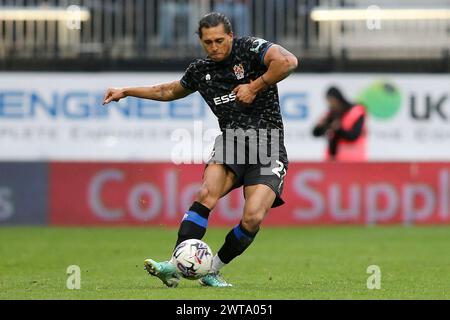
x: 214, y: 280
x: 164, y: 270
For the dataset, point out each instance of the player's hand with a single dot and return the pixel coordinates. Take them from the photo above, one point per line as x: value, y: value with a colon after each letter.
x: 330, y: 134
x: 244, y: 94
x: 113, y: 94
x: 322, y: 122
x: 335, y: 125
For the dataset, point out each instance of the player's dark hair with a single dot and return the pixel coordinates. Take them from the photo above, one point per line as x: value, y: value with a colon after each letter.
x: 336, y: 93
x: 214, y: 19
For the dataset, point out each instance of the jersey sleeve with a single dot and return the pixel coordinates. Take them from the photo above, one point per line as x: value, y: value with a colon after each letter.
x: 188, y: 81
x: 256, y: 48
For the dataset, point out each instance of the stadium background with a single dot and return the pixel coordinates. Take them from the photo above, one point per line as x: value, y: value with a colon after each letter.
x: 66, y: 160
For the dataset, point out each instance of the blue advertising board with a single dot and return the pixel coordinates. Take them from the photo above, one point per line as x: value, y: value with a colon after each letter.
x: 23, y: 193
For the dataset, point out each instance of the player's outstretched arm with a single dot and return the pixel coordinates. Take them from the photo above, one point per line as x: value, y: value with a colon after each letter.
x: 161, y: 92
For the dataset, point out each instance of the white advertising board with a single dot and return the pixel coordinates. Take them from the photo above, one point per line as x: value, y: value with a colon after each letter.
x: 59, y: 116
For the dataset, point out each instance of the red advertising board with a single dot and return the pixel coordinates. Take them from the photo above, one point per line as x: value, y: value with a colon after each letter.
x: 315, y: 193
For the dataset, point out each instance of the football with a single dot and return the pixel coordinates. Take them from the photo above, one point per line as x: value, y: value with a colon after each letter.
x: 193, y: 258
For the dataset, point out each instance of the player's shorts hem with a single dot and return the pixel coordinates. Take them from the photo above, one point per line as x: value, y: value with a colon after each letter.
x: 278, y: 200
x: 230, y: 168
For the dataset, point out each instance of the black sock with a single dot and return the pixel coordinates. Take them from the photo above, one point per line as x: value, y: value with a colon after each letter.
x: 236, y: 241
x: 194, y: 224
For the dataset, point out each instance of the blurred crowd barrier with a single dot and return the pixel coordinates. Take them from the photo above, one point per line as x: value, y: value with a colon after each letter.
x: 165, y: 29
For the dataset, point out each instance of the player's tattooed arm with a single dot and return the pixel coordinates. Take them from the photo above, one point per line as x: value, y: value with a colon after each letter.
x: 280, y: 63
x: 161, y: 92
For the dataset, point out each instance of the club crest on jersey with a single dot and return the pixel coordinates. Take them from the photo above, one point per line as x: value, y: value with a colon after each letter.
x: 239, y: 71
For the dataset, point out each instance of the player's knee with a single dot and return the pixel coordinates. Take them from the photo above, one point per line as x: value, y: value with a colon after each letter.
x: 253, y: 217
x: 206, y: 197
x: 203, y: 193
x: 251, y: 224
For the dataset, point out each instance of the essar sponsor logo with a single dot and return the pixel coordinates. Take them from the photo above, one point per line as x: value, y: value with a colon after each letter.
x: 224, y: 99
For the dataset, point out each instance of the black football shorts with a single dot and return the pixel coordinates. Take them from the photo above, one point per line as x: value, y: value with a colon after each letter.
x: 253, y: 162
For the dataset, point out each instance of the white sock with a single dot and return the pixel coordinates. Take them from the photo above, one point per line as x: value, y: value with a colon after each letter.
x: 217, y: 264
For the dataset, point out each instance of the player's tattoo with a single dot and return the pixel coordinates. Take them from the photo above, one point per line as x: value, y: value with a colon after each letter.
x: 161, y: 91
x: 284, y: 52
x: 265, y: 82
x: 165, y: 92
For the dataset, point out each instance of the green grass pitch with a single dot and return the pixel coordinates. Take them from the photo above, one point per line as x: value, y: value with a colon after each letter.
x: 283, y: 263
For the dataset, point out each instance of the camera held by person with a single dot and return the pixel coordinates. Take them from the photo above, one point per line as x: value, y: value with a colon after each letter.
x: 344, y: 127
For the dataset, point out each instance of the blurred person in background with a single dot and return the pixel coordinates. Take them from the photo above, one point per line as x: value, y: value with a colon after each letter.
x: 239, y: 13
x: 344, y: 127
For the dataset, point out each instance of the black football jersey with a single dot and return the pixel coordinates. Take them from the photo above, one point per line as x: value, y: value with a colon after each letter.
x: 216, y: 80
